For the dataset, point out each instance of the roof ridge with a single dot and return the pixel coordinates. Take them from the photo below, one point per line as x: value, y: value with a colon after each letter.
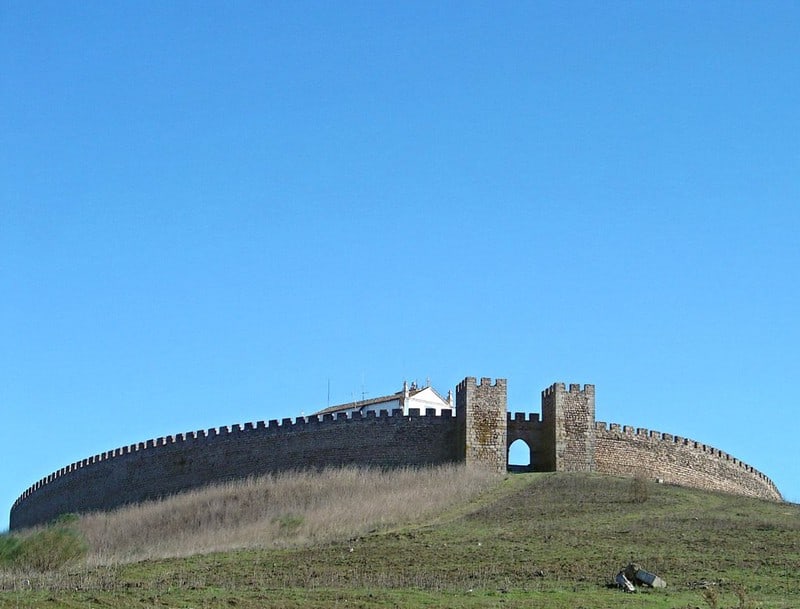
x: 362, y: 403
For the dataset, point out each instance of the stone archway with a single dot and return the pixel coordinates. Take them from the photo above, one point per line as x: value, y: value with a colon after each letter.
x: 520, y: 456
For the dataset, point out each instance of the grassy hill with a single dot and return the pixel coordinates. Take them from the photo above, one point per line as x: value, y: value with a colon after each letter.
x: 526, y: 540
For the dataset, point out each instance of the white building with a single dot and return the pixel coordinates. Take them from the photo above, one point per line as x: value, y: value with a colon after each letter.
x: 410, y: 397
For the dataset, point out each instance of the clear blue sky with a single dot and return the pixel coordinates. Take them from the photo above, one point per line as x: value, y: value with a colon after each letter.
x: 208, y: 213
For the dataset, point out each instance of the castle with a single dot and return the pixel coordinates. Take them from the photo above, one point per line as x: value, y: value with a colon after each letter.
x: 564, y: 438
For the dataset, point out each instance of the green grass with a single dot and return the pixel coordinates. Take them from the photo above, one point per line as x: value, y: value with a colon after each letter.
x: 532, y: 540
x: 44, y: 549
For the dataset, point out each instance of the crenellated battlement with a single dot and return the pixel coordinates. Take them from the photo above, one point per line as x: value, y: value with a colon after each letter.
x: 524, y: 417
x: 564, y: 437
x: 675, y: 455
x: 574, y: 388
x: 472, y: 382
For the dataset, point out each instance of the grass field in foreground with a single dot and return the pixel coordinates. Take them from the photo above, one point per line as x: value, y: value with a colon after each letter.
x: 531, y: 540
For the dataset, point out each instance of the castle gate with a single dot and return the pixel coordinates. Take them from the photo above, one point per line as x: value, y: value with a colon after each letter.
x: 526, y: 428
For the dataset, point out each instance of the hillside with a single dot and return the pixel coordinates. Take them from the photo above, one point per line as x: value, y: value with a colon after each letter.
x: 532, y: 540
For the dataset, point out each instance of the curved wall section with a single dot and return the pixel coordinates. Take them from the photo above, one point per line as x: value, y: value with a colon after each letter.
x: 621, y: 450
x: 165, y: 466
x: 565, y: 438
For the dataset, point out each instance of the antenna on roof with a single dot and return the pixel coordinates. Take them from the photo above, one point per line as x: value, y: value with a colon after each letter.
x: 329, y: 392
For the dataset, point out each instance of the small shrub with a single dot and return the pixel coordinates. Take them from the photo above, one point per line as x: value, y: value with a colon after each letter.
x: 711, y: 597
x: 48, y: 549
x: 640, y: 490
x: 9, y: 550
x: 65, y: 520
x: 289, y: 523
x: 741, y: 594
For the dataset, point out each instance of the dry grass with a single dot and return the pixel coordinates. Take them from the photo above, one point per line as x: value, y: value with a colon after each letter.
x: 292, y: 509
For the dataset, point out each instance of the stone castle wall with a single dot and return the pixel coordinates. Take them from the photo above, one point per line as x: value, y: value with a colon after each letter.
x: 165, y: 466
x: 621, y: 450
x: 565, y: 438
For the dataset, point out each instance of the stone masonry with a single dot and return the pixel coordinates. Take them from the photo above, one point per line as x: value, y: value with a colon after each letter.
x: 565, y: 438
x: 569, y: 420
x: 482, y: 420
